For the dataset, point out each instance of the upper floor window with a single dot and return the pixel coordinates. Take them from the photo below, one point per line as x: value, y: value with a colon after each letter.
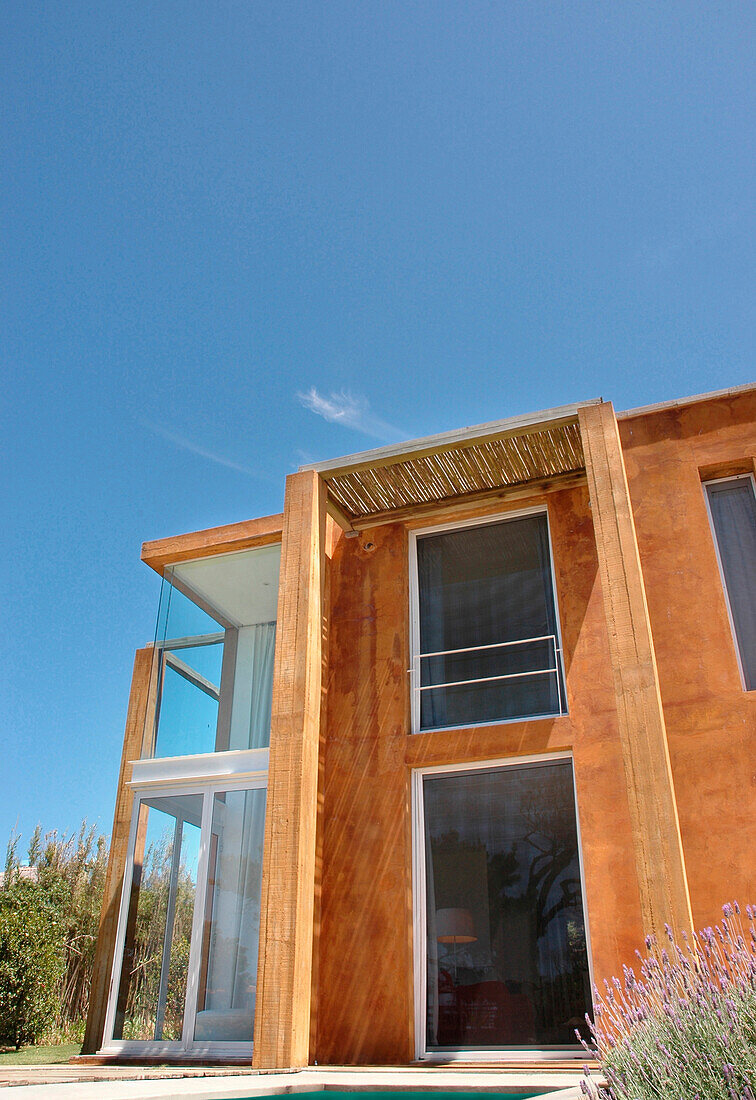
x: 485, y: 630
x: 214, y: 648
x: 732, y: 508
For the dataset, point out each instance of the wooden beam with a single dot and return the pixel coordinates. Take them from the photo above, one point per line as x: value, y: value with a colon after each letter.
x: 659, y: 855
x: 284, y: 976
x: 470, y: 501
x: 339, y: 516
x: 139, y: 705
x: 214, y: 540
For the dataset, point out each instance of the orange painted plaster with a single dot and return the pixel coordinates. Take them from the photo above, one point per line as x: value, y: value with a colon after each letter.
x: 711, y: 720
x: 365, y: 1003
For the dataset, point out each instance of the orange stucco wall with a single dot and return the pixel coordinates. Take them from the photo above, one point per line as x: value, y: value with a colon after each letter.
x: 365, y: 996
x: 710, y: 719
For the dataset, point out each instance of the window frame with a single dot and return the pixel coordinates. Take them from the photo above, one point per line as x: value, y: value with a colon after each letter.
x: 153, y: 781
x: 725, y: 590
x: 420, y: 917
x: 414, y: 631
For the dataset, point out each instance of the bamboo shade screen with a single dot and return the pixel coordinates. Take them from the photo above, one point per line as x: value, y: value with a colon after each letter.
x: 457, y: 471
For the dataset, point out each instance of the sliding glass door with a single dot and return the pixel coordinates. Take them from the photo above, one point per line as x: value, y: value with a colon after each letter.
x: 500, y: 925
x: 185, y: 973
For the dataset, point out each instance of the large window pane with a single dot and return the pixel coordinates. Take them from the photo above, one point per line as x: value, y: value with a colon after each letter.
x: 155, y: 966
x: 507, y: 963
x: 733, y: 510
x: 215, y: 642
x: 228, y: 970
x: 489, y: 645
x: 190, y: 692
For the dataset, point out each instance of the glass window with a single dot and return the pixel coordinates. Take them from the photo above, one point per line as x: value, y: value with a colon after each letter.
x: 506, y: 956
x: 489, y: 645
x: 228, y: 969
x: 155, y: 965
x: 215, y: 642
x: 185, y: 981
x: 732, y: 506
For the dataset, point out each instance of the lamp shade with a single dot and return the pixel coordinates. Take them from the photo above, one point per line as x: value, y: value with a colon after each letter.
x: 455, y: 926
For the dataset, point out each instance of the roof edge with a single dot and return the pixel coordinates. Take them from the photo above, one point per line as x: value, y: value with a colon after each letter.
x: 447, y: 439
x: 681, y: 402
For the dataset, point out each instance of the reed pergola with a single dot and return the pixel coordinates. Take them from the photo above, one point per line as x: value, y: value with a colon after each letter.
x: 468, y: 465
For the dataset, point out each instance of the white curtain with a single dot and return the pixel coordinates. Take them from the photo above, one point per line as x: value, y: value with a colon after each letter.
x: 249, y: 881
x: 229, y: 1004
x: 431, y: 943
x: 733, y: 507
x: 253, y: 687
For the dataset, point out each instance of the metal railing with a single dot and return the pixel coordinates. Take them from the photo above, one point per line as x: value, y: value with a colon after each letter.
x: 553, y: 670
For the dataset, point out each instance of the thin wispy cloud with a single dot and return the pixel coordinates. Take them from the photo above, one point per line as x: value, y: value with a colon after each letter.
x: 187, y: 444
x: 667, y: 250
x: 351, y: 411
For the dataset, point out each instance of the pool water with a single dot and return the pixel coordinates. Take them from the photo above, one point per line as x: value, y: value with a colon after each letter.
x: 407, y: 1094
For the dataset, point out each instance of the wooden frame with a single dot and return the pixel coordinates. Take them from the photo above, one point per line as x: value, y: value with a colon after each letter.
x: 285, y: 970
x: 139, y: 709
x: 659, y: 858
x: 213, y: 540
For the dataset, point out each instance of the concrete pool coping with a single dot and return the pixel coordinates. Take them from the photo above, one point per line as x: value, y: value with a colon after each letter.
x: 557, y: 1084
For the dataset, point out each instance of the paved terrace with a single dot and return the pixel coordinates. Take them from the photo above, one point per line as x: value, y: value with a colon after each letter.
x: 205, y: 1083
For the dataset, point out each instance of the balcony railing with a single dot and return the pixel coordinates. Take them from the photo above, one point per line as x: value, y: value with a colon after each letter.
x: 553, y: 669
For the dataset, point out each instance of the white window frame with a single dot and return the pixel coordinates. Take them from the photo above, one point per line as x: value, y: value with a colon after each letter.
x: 414, y: 591
x: 153, y: 778
x: 420, y: 926
x: 728, y: 605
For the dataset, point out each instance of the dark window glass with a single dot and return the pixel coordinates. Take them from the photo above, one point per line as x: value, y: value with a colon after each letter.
x: 733, y: 510
x: 507, y: 963
x: 487, y: 591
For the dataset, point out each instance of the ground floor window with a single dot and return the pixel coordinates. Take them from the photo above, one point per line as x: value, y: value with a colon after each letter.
x: 185, y: 971
x: 500, y: 900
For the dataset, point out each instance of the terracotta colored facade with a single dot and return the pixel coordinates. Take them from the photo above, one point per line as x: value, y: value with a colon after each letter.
x: 362, y: 978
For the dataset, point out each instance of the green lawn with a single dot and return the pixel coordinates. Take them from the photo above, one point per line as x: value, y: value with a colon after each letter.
x: 39, y: 1056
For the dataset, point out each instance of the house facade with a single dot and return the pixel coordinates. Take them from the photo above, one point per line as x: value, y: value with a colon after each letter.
x: 411, y: 766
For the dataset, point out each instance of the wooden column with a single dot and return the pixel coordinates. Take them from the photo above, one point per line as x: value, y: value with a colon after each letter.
x: 656, y: 830
x: 119, y: 841
x: 284, y: 975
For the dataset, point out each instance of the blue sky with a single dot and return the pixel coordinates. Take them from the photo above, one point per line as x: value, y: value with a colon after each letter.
x: 238, y: 236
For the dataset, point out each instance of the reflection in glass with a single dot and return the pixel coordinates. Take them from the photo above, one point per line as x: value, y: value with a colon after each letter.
x: 188, y: 715
x: 230, y: 939
x: 215, y: 642
x: 507, y: 963
x: 155, y: 963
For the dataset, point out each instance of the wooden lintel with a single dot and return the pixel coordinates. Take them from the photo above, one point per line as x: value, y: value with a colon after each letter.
x: 470, y: 501
x: 659, y: 855
x: 139, y: 705
x: 339, y: 516
x: 214, y: 540
x: 285, y: 969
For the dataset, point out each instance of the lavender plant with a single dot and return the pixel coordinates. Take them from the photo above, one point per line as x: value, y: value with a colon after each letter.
x: 684, y: 1028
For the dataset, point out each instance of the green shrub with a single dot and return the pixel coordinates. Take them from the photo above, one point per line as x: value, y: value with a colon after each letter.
x: 62, y: 886
x: 32, y: 963
x: 685, y: 1028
